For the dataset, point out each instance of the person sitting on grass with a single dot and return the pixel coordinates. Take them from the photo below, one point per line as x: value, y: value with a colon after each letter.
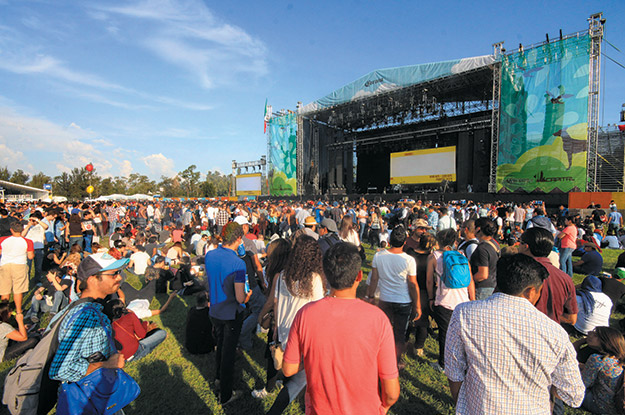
x: 13, y: 343
x: 198, y: 328
x: 51, y: 296
x: 135, y: 338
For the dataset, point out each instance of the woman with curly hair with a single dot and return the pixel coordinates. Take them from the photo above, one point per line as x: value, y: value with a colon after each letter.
x: 278, y: 253
x: 301, y: 282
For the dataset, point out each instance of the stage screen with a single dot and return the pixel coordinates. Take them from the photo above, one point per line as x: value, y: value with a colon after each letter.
x: 283, y: 155
x: 248, y: 184
x: 544, y: 118
x: 432, y: 165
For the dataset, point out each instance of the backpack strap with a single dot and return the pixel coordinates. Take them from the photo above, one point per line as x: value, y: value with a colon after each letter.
x: 490, y: 242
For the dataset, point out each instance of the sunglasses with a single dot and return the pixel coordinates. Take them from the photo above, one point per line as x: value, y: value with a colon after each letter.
x: 116, y: 273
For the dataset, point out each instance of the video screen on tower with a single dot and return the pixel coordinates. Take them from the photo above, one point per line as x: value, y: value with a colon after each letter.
x: 248, y: 184
x: 431, y: 165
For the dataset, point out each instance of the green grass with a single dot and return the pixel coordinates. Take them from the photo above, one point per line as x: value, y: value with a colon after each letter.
x: 174, y: 381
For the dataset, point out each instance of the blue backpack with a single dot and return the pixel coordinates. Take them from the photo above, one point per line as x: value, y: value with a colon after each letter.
x: 456, y: 272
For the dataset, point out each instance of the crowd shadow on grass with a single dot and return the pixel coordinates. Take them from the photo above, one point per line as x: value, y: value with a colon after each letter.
x: 163, y: 388
x: 245, y: 372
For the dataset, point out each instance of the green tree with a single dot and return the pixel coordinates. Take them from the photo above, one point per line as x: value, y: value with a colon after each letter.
x: 106, y: 187
x: 220, y: 181
x: 39, y: 179
x: 62, y: 185
x: 207, y: 189
x: 19, y: 176
x: 139, y: 183
x: 5, y: 174
x: 120, y: 185
x: 190, y: 181
x: 170, y: 186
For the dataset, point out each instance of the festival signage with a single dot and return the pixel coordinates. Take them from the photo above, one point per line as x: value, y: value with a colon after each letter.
x: 544, y: 118
x: 283, y: 155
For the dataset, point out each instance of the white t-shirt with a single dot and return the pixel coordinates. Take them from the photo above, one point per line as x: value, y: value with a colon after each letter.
x: 38, y: 235
x: 393, y: 270
x: 599, y: 317
x: 14, y: 250
x: 352, y: 237
x: 140, y: 260
x: 288, y: 305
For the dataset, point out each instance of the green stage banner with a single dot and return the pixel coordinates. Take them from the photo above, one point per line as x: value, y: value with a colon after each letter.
x: 544, y: 118
x: 283, y: 155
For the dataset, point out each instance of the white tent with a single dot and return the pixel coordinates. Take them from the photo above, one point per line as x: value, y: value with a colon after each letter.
x: 140, y: 196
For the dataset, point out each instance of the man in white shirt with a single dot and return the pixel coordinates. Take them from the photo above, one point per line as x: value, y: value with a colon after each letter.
x: 139, y: 261
x: 445, y: 221
x: 35, y: 231
x: 396, y: 273
x: 15, y: 250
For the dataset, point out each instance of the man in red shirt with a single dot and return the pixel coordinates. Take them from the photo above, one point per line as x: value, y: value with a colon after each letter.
x: 345, y: 344
x: 15, y: 250
x: 557, y: 299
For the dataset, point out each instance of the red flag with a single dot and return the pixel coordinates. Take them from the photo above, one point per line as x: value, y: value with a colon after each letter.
x: 621, y: 127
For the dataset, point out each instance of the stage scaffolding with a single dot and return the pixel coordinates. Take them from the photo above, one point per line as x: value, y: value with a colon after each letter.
x: 595, y: 31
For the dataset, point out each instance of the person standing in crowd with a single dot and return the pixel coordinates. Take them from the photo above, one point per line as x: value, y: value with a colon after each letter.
x: 301, y: 282
x: 15, y: 251
x: 333, y: 346
x: 615, y: 219
x: 441, y: 298
x: 484, y: 258
x: 328, y: 234
x: 568, y: 244
x: 486, y: 339
x: 557, y: 297
x: 35, y: 231
x: 225, y: 275
x: 445, y: 221
x: 396, y: 273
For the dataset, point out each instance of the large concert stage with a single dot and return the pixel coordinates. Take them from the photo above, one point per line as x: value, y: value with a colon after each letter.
x: 513, y: 123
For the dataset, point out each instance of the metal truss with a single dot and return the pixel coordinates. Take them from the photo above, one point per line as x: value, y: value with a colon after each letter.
x: 300, y: 155
x: 494, y: 122
x: 595, y: 31
x: 256, y: 164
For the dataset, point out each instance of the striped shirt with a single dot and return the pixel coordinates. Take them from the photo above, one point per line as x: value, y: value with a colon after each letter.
x: 508, y: 354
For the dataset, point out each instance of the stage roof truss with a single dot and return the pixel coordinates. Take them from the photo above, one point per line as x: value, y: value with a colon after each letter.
x: 450, y: 96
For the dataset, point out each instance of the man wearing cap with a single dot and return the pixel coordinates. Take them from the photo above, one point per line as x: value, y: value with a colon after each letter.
x: 84, y: 345
x: 328, y: 235
x: 15, y: 251
x: 310, y: 226
x: 419, y: 228
x: 591, y: 263
x: 225, y: 275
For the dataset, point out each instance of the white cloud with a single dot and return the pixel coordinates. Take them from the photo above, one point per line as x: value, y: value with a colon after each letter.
x: 159, y: 165
x: 185, y: 33
x: 12, y: 159
x: 125, y: 168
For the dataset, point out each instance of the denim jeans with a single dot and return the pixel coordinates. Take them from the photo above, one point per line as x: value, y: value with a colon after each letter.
x: 442, y: 316
x: 149, y: 343
x: 87, y: 240
x: 398, y: 314
x: 255, y: 305
x: 566, y: 261
x: 59, y: 301
x: 38, y: 261
x: 483, y: 293
x: 75, y: 240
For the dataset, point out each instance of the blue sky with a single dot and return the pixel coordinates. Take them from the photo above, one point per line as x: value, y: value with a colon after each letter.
x: 152, y: 86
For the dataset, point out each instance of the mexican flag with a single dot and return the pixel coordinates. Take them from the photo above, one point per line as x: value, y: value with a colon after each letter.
x: 266, y: 118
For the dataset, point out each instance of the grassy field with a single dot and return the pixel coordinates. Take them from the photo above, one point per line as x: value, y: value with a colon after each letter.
x: 174, y: 381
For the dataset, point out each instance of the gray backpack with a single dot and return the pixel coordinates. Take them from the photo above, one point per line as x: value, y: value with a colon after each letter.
x: 26, y: 390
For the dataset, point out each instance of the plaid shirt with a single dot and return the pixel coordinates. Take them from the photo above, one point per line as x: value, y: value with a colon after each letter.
x: 223, y: 217
x: 84, y: 337
x: 508, y: 354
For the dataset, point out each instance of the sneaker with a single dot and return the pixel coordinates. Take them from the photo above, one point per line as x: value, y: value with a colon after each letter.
x: 279, y: 384
x: 260, y: 393
x: 34, y: 319
x: 235, y: 396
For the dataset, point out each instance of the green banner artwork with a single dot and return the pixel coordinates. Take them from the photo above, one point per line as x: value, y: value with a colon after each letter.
x: 283, y: 155
x: 544, y: 118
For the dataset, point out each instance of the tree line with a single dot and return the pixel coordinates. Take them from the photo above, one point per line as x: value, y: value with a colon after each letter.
x: 73, y: 184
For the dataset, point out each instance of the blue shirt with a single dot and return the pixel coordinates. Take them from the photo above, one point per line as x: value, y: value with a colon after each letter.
x: 223, y: 269
x: 86, y: 335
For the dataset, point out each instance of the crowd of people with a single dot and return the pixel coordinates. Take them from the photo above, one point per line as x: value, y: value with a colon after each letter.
x: 491, y: 282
